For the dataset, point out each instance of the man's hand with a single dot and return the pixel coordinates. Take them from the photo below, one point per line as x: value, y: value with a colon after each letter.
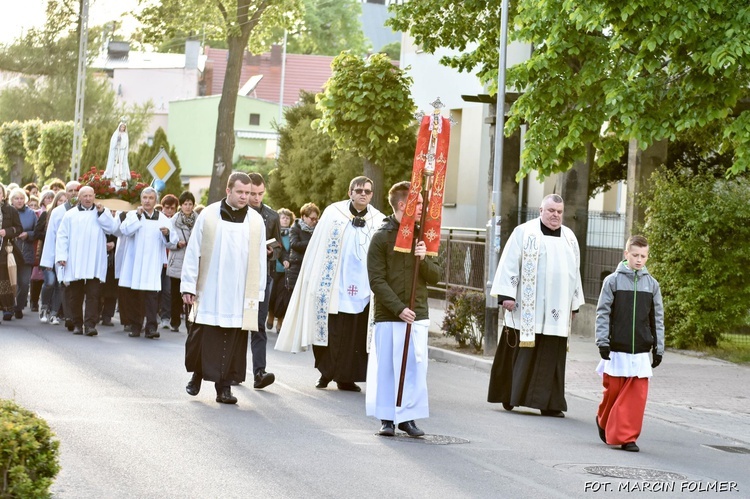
x: 269, y: 251
x: 407, y: 315
x: 188, y: 298
x: 509, y: 305
x: 285, y: 264
x: 164, y: 230
x: 23, y: 236
x: 3, y: 233
x: 181, y: 243
x: 139, y: 211
x: 656, y: 360
x: 61, y: 263
x: 99, y: 208
x: 604, y: 353
x: 420, y: 250
x: 110, y: 246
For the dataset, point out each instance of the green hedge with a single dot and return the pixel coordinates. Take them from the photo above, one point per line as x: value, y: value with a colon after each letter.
x: 28, y: 453
x: 698, y: 228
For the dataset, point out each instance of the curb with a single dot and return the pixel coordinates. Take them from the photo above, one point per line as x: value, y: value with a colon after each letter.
x: 460, y: 359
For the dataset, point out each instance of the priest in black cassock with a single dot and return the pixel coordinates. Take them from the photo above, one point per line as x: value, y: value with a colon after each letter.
x: 224, y: 280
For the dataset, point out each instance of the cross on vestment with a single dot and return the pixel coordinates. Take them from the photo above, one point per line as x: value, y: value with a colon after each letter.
x: 352, y: 290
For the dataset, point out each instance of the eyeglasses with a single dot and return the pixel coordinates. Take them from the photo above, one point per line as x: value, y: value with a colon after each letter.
x: 366, y: 192
x: 313, y: 219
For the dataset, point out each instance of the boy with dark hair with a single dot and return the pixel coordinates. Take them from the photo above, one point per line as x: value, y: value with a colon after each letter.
x: 629, y: 324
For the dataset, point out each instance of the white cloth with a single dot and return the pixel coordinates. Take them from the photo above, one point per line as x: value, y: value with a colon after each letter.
x: 221, y: 302
x: 384, y: 372
x: 82, y: 244
x: 354, y: 285
x: 118, y: 168
x: 317, y: 291
x: 122, y: 245
x: 146, y: 252
x: 552, y: 265
x: 626, y: 365
x: 50, y: 239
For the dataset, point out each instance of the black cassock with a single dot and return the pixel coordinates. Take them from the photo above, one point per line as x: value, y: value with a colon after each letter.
x: 218, y: 353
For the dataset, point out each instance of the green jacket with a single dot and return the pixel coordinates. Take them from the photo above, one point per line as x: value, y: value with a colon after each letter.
x: 391, y: 272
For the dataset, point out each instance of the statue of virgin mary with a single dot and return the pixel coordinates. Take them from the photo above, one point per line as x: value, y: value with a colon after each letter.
x: 117, y: 162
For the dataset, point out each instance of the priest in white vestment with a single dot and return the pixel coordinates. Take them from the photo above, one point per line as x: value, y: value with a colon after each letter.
x: 391, y: 276
x: 145, y: 256
x: 329, y: 307
x: 223, y: 279
x: 81, y: 251
x: 538, y: 283
x: 48, y: 260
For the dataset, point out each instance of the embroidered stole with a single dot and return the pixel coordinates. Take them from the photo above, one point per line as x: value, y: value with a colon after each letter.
x: 325, y: 288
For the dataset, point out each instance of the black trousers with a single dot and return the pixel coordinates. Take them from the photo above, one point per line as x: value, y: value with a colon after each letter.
x: 125, y: 298
x: 145, y: 303
x: 76, y: 292
x: 216, y: 354
x: 259, y: 338
x: 176, y: 306
x: 344, y: 360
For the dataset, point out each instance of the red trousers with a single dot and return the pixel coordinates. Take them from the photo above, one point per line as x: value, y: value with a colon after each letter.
x: 622, y: 407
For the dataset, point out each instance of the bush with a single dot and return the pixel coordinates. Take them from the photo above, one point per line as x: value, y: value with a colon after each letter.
x: 28, y: 454
x: 464, y: 317
x: 698, y: 229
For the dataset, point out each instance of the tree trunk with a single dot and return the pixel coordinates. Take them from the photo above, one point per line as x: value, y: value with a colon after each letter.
x: 16, y: 171
x: 224, y: 145
x: 375, y: 173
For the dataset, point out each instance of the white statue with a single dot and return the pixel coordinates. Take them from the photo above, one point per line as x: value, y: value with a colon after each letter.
x: 117, y: 162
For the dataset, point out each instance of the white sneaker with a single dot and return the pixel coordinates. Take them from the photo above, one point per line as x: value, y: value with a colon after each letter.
x: 164, y: 324
x: 54, y: 320
x: 43, y: 318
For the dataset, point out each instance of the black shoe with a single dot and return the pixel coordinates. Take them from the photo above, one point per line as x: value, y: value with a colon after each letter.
x: 263, y: 379
x: 69, y: 324
x: 602, y: 434
x: 507, y: 406
x: 134, y: 334
x: 224, y: 396
x: 552, y: 414
x: 194, y: 385
x: 107, y: 322
x: 19, y: 314
x: 322, y: 383
x: 77, y: 330
x: 35, y: 308
x: 348, y: 387
x: 7, y: 316
x: 630, y: 447
x: 174, y: 329
x: 410, y: 428
x: 387, y: 430
x: 151, y: 335
x: 90, y: 331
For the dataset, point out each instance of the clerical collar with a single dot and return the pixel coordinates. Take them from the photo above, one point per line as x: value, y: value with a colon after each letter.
x: 231, y: 214
x: 81, y: 208
x: 549, y: 232
x: 354, y: 211
x: 154, y: 215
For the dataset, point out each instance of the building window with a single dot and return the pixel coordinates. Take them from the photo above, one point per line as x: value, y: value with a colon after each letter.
x: 254, y: 119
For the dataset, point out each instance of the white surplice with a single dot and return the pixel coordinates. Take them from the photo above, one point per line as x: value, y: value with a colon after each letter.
x: 221, y: 301
x: 82, y: 243
x: 54, y: 218
x: 146, y: 252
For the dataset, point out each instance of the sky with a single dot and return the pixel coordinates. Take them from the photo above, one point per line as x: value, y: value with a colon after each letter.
x: 20, y: 15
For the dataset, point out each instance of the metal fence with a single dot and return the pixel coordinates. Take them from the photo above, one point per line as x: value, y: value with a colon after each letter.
x: 462, y: 252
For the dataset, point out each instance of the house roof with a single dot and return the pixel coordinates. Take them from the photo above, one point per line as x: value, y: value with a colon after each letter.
x: 303, y: 72
x: 144, y: 60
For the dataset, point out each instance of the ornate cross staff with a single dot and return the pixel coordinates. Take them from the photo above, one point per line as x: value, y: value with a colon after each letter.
x: 428, y: 175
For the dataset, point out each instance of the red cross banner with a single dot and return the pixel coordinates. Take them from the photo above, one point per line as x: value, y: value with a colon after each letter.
x: 432, y: 152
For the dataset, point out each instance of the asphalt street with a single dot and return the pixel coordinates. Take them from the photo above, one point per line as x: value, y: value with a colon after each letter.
x: 128, y: 429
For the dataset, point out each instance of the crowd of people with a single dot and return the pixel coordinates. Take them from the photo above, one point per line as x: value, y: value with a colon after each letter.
x: 242, y: 268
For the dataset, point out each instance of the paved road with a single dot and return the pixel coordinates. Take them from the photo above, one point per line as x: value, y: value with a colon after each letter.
x: 127, y: 428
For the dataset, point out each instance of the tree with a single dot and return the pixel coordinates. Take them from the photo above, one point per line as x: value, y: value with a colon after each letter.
x: 55, y: 150
x: 366, y: 108
x: 328, y: 28
x: 392, y: 50
x: 605, y: 72
x: 12, y: 150
x: 234, y: 20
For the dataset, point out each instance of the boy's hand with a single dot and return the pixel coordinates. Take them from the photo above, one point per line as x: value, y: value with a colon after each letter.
x: 656, y: 360
x: 604, y: 352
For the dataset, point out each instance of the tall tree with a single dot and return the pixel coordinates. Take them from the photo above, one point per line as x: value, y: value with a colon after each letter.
x: 605, y: 72
x: 140, y: 160
x: 328, y: 28
x: 234, y: 20
x: 366, y: 108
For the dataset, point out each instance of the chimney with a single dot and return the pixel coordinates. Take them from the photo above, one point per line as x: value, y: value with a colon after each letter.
x: 118, y: 50
x: 192, y: 52
x: 275, y: 55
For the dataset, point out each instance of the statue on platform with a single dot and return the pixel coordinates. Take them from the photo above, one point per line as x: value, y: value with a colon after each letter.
x: 117, y: 163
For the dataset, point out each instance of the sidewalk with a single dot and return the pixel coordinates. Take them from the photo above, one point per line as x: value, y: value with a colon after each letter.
x: 701, y: 393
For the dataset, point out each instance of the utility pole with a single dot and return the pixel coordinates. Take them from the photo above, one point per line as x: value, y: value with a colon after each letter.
x: 75, y: 162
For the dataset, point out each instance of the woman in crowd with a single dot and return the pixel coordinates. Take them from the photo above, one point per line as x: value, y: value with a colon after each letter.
x: 183, y: 222
x: 10, y: 227
x: 24, y: 243
x: 279, y: 299
x: 51, y: 297
x: 37, y: 275
x: 299, y: 236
